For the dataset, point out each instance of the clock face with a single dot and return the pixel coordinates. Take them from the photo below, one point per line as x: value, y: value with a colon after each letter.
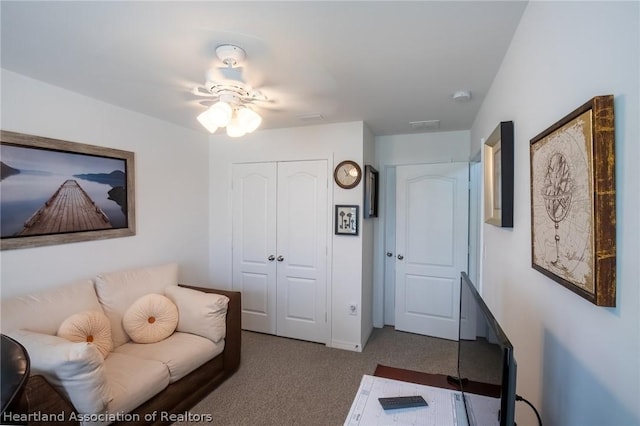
x: 347, y: 174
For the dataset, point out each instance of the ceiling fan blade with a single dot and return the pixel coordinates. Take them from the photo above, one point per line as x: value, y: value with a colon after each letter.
x: 201, y: 91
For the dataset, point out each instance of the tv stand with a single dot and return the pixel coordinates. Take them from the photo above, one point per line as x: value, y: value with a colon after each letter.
x: 455, y: 380
x: 436, y: 380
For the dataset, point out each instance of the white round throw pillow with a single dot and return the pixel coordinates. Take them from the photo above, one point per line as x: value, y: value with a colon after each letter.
x: 150, y: 319
x: 90, y: 326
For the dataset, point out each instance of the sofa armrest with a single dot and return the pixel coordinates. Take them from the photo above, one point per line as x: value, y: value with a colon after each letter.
x: 232, y: 345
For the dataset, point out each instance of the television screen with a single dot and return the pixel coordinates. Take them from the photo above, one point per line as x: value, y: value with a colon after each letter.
x: 486, y: 364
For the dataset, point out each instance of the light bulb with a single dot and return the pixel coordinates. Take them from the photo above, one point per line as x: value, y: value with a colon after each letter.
x: 235, y: 128
x: 220, y: 113
x: 206, y: 122
x: 249, y: 119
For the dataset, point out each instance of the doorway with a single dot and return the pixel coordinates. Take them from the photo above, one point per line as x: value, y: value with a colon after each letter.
x: 426, y: 246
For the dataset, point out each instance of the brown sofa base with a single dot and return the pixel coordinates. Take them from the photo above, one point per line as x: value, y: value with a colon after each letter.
x: 175, y: 399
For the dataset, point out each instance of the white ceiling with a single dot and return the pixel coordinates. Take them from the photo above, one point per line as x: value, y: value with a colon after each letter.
x: 385, y: 63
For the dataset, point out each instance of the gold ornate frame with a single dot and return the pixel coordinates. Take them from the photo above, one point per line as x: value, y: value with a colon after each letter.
x: 573, y: 196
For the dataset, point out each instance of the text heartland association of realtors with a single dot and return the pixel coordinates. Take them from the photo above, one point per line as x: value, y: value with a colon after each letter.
x: 121, y: 416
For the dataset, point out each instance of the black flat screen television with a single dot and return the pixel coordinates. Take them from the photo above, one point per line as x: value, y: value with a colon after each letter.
x: 486, y: 363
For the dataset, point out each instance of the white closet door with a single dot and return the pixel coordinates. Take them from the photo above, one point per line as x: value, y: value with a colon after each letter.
x: 302, y: 250
x: 280, y: 235
x: 431, y: 246
x: 254, y: 243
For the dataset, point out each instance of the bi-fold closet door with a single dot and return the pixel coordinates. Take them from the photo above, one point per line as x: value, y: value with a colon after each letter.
x: 280, y: 222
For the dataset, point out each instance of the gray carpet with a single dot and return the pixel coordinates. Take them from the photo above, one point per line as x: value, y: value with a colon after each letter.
x: 290, y: 382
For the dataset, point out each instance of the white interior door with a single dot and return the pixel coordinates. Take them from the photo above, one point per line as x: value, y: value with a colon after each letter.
x: 254, y: 243
x: 431, y: 247
x: 280, y: 247
x: 302, y: 250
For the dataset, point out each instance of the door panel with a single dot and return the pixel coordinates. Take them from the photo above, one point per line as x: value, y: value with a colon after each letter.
x: 302, y: 243
x: 430, y: 297
x: 426, y: 221
x: 431, y: 246
x: 301, y: 297
x: 254, y: 241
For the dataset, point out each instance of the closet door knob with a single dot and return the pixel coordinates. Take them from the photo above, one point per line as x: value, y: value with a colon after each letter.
x: 271, y: 258
x: 280, y: 258
x: 400, y: 257
x: 389, y: 254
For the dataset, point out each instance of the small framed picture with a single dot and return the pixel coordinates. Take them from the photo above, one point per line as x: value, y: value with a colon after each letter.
x: 370, y: 192
x: 347, y: 220
x: 498, y: 176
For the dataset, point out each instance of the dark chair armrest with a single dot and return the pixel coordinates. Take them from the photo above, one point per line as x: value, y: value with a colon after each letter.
x: 233, y: 337
x: 42, y: 398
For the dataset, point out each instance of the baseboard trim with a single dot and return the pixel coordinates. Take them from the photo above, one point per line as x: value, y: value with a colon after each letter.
x: 348, y: 346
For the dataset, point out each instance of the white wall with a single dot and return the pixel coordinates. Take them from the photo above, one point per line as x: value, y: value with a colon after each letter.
x: 369, y: 227
x: 333, y: 142
x: 578, y: 363
x: 171, y: 188
x: 391, y: 151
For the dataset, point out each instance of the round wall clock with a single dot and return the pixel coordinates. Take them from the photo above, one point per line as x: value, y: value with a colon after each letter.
x: 347, y: 174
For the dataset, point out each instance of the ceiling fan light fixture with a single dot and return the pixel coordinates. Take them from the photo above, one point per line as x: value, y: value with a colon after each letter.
x: 235, y: 128
x: 206, y: 121
x: 233, y: 96
x: 220, y: 113
x: 248, y: 119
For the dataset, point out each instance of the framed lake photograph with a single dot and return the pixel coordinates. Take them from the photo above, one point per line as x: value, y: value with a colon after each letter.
x: 56, y: 192
x: 573, y: 202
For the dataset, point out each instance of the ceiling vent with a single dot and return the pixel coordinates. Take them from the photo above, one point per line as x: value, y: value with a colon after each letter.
x: 310, y: 117
x: 425, y: 125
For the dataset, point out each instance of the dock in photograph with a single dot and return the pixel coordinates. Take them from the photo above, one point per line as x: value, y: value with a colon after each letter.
x: 69, y: 209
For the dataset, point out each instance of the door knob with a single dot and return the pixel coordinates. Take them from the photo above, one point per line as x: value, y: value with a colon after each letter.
x: 271, y: 258
x: 280, y: 258
x: 400, y: 257
x: 389, y: 254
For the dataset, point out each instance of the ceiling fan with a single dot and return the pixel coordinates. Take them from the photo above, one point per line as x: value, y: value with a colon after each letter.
x: 234, y: 98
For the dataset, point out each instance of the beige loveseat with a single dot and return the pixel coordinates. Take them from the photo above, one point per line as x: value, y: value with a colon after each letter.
x: 102, y: 382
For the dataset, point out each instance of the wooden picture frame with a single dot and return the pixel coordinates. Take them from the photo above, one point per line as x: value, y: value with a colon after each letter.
x: 346, y: 220
x: 40, y: 175
x: 498, y: 176
x: 573, y: 212
x: 370, y: 192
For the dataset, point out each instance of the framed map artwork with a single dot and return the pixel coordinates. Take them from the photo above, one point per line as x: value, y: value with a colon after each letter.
x: 573, y: 212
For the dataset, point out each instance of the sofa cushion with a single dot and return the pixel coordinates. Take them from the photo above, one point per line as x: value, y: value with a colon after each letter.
x: 133, y: 380
x: 92, y: 327
x: 26, y: 312
x: 76, y: 369
x: 118, y: 290
x: 181, y: 352
x: 151, y: 318
x: 200, y: 313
